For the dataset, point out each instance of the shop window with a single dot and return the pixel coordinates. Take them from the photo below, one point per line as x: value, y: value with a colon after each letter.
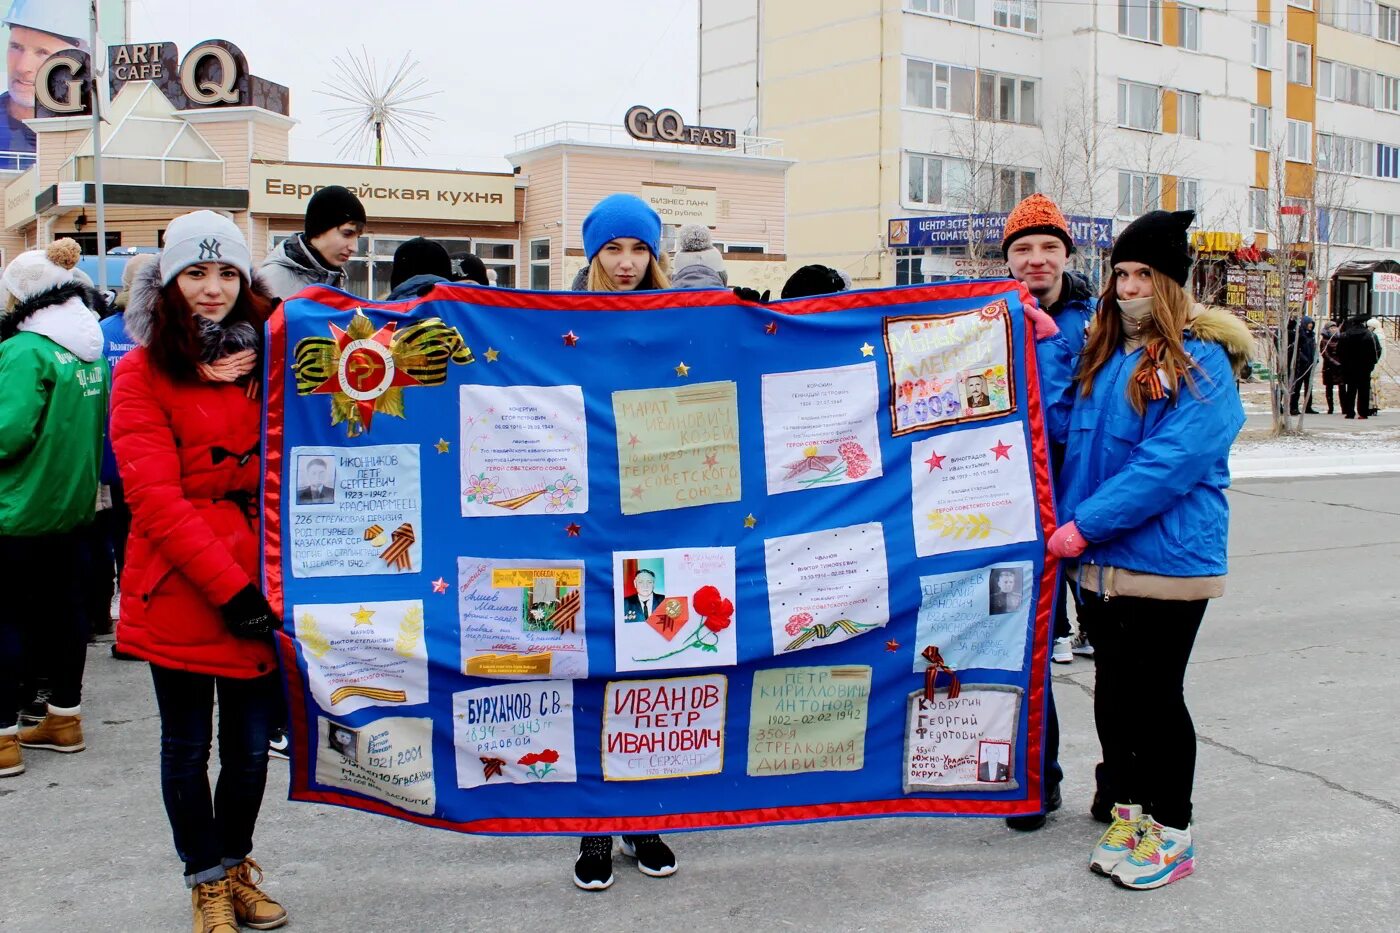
x: 539, y: 264
x: 1140, y: 19
x: 499, y: 257
x: 88, y: 241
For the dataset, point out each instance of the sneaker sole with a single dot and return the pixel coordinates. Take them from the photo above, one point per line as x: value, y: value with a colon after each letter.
x: 1176, y: 874
x: 11, y: 771
x: 65, y: 749
x: 1068, y: 660
x: 266, y: 924
x: 666, y: 872
x: 593, y: 885
x: 281, y: 755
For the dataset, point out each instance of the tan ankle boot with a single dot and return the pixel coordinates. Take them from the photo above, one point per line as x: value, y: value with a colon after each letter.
x: 213, y: 907
x: 11, y: 758
x: 56, y: 733
x: 255, y: 909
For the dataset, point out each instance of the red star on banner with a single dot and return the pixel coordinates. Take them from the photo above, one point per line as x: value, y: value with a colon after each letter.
x: 771, y: 327
x: 634, y: 441
x: 571, y: 339
x: 365, y: 370
x: 572, y: 529
x: 1002, y: 450
x: 934, y: 461
x: 711, y: 460
x: 637, y: 492
x: 891, y: 645
x: 439, y: 586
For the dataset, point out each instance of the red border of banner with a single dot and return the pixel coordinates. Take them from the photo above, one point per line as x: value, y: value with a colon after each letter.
x: 300, y: 788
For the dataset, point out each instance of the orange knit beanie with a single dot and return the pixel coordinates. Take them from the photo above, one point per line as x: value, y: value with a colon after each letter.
x: 1036, y: 214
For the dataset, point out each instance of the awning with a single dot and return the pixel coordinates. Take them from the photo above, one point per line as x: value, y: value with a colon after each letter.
x: 70, y: 194
x: 1357, y: 269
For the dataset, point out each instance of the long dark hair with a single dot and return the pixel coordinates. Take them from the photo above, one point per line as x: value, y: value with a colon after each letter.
x: 1164, y: 345
x: 177, y: 345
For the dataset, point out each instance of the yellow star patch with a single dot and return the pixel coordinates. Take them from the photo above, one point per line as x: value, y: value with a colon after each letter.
x: 363, y: 616
x: 750, y: 521
x: 682, y: 369
x: 492, y: 354
x: 865, y: 350
x: 442, y: 445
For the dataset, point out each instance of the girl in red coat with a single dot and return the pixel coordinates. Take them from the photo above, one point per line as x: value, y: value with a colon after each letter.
x: 186, y: 432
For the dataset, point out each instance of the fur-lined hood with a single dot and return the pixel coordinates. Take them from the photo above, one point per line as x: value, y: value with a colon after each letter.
x: 145, y: 293
x: 1218, y: 326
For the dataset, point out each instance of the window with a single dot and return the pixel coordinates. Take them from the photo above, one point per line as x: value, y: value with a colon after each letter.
x: 1350, y: 228
x: 1259, y: 208
x: 1299, y: 63
x: 1188, y: 28
x: 1298, y: 142
x: 1346, y: 155
x: 1188, y: 194
x: 1387, y: 161
x: 1140, y: 19
x: 1336, y: 81
x: 499, y: 257
x: 738, y: 249
x: 1138, y: 193
x: 1388, y: 230
x: 1010, y: 186
x: 1324, y: 80
x: 1259, y: 127
x: 1301, y: 4
x: 1188, y: 114
x: 1299, y: 225
x: 1387, y: 23
x: 1259, y: 45
x: 1023, y: 15
x: 1352, y: 15
x: 1139, y: 106
x: 1387, y: 93
x: 935, y: 181
x: 955, y: 9
x: 1006, y: 98
x: 939, y: 87
x: 539, y: 264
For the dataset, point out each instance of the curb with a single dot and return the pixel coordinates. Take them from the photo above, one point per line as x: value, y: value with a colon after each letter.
x: 1247, y: 467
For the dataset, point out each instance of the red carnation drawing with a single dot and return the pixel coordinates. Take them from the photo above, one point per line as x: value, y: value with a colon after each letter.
x: 549, y: 757
x: 717, y: 614
x: 798, y: 622
x: 857, y: 460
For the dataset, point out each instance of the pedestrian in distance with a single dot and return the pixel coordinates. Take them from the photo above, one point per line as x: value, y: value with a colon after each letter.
x: 419, y: 264
x: 54, y: 383
x: 1374, y: 325
x: 1330, y: 349
x: 1302, y: 358
x: 1154, y: 411
x: 622, y: 239
x: 335, y: 218
x: 698, y: 263
x: 1359, y: 351
x: 186, y: 428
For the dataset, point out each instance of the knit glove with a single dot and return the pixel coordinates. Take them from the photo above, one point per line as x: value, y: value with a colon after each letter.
x: 248, y: 615
x: 1045, y: 325
x: 751, y: 294
x: 1067, y: 541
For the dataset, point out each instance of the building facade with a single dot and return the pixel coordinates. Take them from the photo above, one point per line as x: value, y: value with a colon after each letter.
x: 896, y: 110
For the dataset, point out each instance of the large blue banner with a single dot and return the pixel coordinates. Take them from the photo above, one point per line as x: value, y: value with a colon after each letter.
x: 576, y: 563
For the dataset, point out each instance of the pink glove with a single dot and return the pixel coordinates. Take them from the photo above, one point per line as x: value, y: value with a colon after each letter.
x: 1045, y: 325
x: 1067, y: 541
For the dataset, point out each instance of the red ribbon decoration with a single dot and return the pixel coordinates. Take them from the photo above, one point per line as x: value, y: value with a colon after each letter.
x: 936, y: 663
x: 490, y: 767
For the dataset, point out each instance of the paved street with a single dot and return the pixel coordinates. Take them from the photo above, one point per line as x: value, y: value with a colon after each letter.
x: 1293, y: 688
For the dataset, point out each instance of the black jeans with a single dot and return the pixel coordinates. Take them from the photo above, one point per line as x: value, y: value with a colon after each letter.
x: 1141, y: 647
x: 43, y: 630
x: 212, y: 833
x: 1356, y: 395
x: 1302, y: 385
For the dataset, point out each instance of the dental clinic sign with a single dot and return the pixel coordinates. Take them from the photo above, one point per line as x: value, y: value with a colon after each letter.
x: 960, y: 229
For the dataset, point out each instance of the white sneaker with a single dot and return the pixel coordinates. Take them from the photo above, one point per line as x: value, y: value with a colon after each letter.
x: 1162, y: 855
x: 1062, y: 652
x: 1119, y: 840
x: 278, y: 745
x: 1082, y: 647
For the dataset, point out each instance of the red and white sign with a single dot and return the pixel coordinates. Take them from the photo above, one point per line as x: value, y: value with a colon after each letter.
x: 1385, y: 283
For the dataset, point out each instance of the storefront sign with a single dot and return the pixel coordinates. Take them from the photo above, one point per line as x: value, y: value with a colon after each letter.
x: 1384, y: 283
x: 19, y: 198
x: 667, y: 126
x: 61, y: 85
x: 952, y: 230
x: 398, y: 194
x: 678, y: 204
x: 1258, y: 289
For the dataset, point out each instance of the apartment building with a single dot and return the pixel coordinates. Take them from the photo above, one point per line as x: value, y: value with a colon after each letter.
x: 916, y: 123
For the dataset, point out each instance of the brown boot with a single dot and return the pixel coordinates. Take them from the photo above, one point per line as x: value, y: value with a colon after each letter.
x: 213, y: 907
x: 255, y: 909
x: 55, y: 732
x: 11, y: 758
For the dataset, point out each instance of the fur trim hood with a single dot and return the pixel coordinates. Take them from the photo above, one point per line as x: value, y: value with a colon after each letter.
x: 145, y: 292
x: 1217, y: 326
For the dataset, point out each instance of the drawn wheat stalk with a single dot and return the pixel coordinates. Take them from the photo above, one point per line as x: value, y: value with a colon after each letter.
x: 410, y: 630
x: 312, y: 638
x: 963, y: 526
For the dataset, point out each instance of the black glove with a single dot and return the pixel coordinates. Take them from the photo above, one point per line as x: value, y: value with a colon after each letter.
x: 751, y: 294
x: 248, y: 615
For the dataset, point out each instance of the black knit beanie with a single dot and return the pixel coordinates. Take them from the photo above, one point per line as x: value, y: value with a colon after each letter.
x: 813, y: 280
x: 419, y: 256
x: 331, y: 207
x: 473, y: 269
x: 1157, y: 239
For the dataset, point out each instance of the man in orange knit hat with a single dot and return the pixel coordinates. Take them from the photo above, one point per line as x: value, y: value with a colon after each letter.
x: 1037, y: 245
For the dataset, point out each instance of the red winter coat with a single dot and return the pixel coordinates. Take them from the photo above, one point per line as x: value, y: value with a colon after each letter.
x: 190, y: 466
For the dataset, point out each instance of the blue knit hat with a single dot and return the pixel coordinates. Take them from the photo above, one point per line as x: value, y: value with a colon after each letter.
x: 620, y: 215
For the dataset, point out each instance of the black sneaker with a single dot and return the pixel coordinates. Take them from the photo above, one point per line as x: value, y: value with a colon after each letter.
x: 36, y: 709
x: 653, y: 856
x: 277, y: 743
x: 1033, y: 821
x: 593, y: 868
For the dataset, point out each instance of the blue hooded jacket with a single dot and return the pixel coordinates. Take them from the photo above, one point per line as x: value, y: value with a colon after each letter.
x: 1074, y: 312
x: 1147, y: 491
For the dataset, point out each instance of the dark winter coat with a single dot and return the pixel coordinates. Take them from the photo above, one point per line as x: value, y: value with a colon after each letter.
x: 1302, y: 349
x: 1330, y: 348
x: 1359, y: 351
x: 189, y: 456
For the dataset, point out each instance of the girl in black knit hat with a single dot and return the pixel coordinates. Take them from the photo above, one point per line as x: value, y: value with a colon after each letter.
x: 1155, y: 410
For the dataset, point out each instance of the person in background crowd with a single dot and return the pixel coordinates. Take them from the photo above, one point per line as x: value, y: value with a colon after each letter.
x: 698, y: 263
x: 1302, y: 357
x: 470, y: 269
x: 186, y: 428
x: 1329, y: 348
x: 335, y: 218
x: 1037, y: 244
x: 622, y: 239
x: 419, y: 264
x: 1374, y: 324
x: 1154, y: 411
x: 813, y: 280
x: 1359, y: 351
x: 54, y: 385
x: 38, y: 29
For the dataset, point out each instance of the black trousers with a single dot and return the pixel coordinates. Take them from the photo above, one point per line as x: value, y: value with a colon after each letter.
x: 1141, y: 648
x: 43, y: 630
x: 1356, y: 395
x: 1302, y: 385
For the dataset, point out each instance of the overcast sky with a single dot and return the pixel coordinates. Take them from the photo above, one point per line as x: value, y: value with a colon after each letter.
x: 500, y: 67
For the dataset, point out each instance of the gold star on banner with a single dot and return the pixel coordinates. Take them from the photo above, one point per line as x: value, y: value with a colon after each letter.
x: 750, y: 521
x: 866, y: 349
x: 682, y: 370
x: 492, y: 354
x: 442, y: 445
x: 363, y: 616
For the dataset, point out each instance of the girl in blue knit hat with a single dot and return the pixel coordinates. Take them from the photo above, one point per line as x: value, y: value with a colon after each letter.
x: 622, y: 238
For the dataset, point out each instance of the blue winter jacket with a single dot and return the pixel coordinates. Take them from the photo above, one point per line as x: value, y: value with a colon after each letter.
x: 1074, y: 312
x: 1147, y: 491
x: 116, y: 343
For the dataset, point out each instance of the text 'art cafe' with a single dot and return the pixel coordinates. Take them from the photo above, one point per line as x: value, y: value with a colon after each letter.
x: 201, y: 131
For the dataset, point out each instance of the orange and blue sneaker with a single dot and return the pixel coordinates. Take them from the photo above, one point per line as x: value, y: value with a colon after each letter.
x: 1119, y: 840
x: 1162, y: 855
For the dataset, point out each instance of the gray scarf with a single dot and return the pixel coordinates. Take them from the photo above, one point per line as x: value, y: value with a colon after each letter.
x: 217, y: 340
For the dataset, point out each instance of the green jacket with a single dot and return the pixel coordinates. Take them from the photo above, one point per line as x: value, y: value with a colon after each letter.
x: 53, y: 403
